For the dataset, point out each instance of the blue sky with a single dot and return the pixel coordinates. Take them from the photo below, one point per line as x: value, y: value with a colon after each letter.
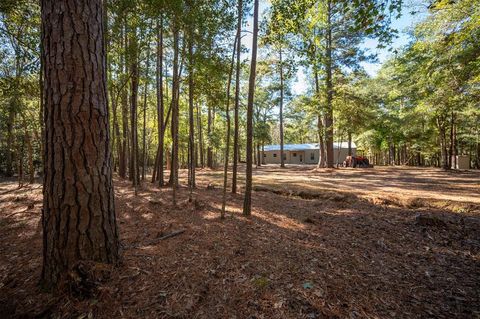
x: 403, y: 25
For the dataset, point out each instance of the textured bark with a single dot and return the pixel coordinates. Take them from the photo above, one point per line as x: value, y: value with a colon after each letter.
x: 329, y: 87
x: 237, y: 101
x: 78, y: 206
x: 247, y: 202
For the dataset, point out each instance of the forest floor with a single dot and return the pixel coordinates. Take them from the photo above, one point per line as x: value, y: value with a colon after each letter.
x: 342, y: 243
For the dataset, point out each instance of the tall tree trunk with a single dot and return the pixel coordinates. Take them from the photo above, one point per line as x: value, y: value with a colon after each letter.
x: 191, y: 131
x: 133, y: 111
x: 329, y: 87
x: 144, y: 141
x: 209, y: 132
x: 282, y: 161
x: 160, y: 105
x: 123, y: 158
x: 247, y: 203
x: 200, y: 136
x: 78, y: 200
x: 28, y: 142
x: 227, y: 137
x: 321, y: 144
x: 9, y: 160
x: 237, y: 101
x: 443, y: 142
x: 175, y: 113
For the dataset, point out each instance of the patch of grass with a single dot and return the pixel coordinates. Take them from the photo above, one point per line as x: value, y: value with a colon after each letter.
x: 261, y: 282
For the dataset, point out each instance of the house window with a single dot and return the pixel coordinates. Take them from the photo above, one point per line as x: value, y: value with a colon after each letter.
x: 274, y: 154
x: 264, y: 155
x: 294, y: 154
x: 312, y: 156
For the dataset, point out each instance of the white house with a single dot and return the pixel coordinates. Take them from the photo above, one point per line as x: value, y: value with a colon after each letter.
x: 304, y: 153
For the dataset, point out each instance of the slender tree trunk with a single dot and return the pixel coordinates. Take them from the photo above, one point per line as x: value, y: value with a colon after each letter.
x: 321, y: 144
x: 349, y: 143
x: 237, y: 101
x: 123, y: 162
x: 247, y: 203
x: 191, y: 131
x: 329, y: 87
x: 160, y: 105
x: 28, y: 141
x: 443, y: 142
x: 144, y: 141
x: 200, y: 136
x: 9, y: 160
x: 133, y: 111
x: 227, y: 137
x: 20, y: 147
x: 282, y: 161
x: 175, y: 111
x: 209, y: 132
x: 259, y: 162
x: 78, y: 200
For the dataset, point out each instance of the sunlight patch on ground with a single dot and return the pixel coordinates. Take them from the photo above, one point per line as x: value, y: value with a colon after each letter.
x: 279, y: 220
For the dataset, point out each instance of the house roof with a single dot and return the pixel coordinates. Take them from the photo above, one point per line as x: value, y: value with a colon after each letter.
x: 307, y: 146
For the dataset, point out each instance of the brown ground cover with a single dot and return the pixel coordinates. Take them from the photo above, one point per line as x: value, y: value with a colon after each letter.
x: 345, y: 243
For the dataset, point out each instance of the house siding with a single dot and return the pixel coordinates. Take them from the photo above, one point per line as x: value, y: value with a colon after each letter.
x: 339, y: 155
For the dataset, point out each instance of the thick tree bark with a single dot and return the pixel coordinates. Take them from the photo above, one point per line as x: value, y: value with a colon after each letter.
x: 329, y: 87
x: 247, y: 203
x: 78, y: 200
x: 237, y: 101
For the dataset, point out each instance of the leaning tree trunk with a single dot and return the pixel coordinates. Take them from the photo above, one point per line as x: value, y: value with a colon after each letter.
x: 247, y: 203
x: 78, y: 200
